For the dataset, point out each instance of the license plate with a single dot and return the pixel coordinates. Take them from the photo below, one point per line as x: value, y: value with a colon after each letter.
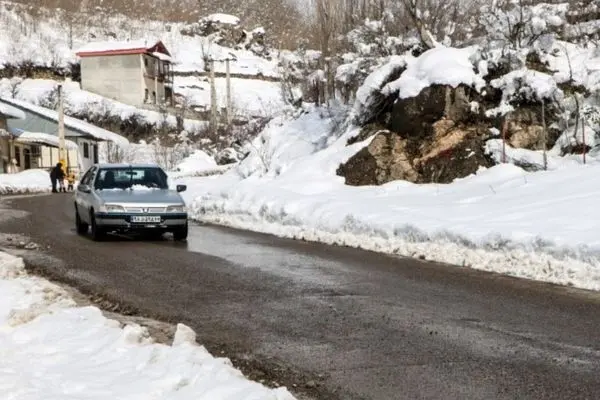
x: 153, y: 219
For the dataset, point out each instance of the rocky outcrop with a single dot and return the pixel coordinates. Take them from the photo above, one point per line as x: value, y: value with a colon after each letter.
x: 433, y: 137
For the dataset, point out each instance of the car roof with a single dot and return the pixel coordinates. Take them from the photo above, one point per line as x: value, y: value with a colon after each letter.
x: 115, y: 165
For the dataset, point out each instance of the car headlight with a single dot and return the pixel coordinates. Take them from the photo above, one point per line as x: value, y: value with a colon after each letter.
x: 111, y: 208
x: 176, y: 209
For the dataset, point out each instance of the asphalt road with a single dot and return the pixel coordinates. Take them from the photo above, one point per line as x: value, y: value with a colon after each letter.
x: 361, y: 325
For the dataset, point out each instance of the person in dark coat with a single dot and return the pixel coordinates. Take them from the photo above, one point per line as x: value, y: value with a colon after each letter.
x: 56, y: 174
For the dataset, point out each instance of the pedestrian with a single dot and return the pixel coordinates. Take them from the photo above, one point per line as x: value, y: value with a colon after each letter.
x: 71, y: 181
x: 57, y: 175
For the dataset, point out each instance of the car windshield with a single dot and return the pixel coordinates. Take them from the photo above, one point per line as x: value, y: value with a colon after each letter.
x: 131, y: 178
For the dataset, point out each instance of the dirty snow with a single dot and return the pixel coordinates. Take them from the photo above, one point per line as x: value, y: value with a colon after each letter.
x: 29, y: 181
x: 51, y: 349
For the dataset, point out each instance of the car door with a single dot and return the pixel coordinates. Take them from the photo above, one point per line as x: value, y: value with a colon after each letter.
x: 83, y: 199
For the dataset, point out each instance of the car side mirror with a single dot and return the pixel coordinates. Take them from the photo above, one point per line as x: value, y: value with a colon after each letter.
x: 181, y: 188
x: 84, y: 188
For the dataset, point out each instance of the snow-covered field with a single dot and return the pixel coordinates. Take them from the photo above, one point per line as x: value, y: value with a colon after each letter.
x: 539, y: 225
x: 52, y: 349
x: 29, y: 181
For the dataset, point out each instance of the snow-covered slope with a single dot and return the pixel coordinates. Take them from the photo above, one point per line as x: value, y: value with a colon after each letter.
x: 51, y: 40
x: 533, y: 225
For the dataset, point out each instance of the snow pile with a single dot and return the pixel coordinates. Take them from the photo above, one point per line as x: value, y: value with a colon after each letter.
x: 29, y: 181
x: 80, y: 353
x: 196, y: 162
x: 438, y: 66
x: 503, y: 219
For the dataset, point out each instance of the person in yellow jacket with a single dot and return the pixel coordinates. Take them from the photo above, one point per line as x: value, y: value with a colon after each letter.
x: 71, y: 180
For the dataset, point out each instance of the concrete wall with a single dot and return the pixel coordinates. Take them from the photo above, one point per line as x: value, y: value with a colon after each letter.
x: 116, y: 77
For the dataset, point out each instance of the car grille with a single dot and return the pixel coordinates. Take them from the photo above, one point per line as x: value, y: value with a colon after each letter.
x: 145, y: 209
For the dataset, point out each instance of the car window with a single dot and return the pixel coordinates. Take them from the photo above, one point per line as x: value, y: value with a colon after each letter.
x: 87, y: 178
x: 130, y: 177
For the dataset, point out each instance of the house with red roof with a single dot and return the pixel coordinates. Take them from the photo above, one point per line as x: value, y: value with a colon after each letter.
x: 133, y: 72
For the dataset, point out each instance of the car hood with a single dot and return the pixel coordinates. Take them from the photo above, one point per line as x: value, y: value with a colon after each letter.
x: 140, y: 196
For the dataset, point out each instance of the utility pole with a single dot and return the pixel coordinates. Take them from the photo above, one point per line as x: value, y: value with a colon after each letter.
x: 228, y: 83
x: 213, y: 101
x: 61, y: 129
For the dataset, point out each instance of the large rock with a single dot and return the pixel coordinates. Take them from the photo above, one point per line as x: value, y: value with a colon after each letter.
x: 385, y: 159
x: 452, y: 151
x: 415, y: 116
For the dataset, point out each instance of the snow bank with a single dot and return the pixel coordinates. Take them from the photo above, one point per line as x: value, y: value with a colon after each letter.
x: 29, y: 181
x: 79, y: 353
x: 503, y: 219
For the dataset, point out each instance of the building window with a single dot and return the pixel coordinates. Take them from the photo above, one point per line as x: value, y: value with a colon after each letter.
x: 146, y: 95
x: 86, y: 150
x: 95, y: 147
x: 145, y: 62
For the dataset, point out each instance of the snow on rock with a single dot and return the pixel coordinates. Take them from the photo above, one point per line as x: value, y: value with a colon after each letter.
x: 527, y: 85
x: 440, y: 65
x: 80, y: 353
x: 370, y: 92
x: 501, y: 219
x: 28, y: 181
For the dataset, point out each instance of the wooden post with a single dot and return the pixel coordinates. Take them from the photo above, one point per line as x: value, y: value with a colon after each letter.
x: 583, y: 137
x: 504, y: 127
x: 213, y: 101
x: 544, y: 138
x: 228, y: 84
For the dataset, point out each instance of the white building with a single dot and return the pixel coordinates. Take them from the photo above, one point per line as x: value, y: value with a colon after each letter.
x: 135, y: 72
x: 29, y: 134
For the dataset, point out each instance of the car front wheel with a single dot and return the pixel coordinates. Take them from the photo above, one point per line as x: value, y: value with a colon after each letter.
x: 81, y: 226
x: 181, y: 234
x: 98, y: 234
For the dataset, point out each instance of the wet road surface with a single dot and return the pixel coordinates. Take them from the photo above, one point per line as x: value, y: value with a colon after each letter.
x: 358, y: 325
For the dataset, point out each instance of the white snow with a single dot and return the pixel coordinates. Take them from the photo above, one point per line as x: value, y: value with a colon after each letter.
x: 46, y: 138
x: 539, y: 225
x: 115, y: 45
x: 9, y: 111
x: 440, y: 65
x: 92, y: 130
x: 52, y: 349
x: 198, y: 161
x: 226, y: 19
x: 29, y: 181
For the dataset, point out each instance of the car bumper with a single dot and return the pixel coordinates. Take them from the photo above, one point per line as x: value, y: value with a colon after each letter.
x: 121, y: 221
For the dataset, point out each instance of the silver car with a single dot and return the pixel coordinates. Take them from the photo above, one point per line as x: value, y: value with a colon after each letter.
x: 129, y: 198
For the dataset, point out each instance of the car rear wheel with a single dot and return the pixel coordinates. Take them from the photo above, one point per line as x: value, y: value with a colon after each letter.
x: 81, y: 226
x: 98, y: 234
x: 181, y: 234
